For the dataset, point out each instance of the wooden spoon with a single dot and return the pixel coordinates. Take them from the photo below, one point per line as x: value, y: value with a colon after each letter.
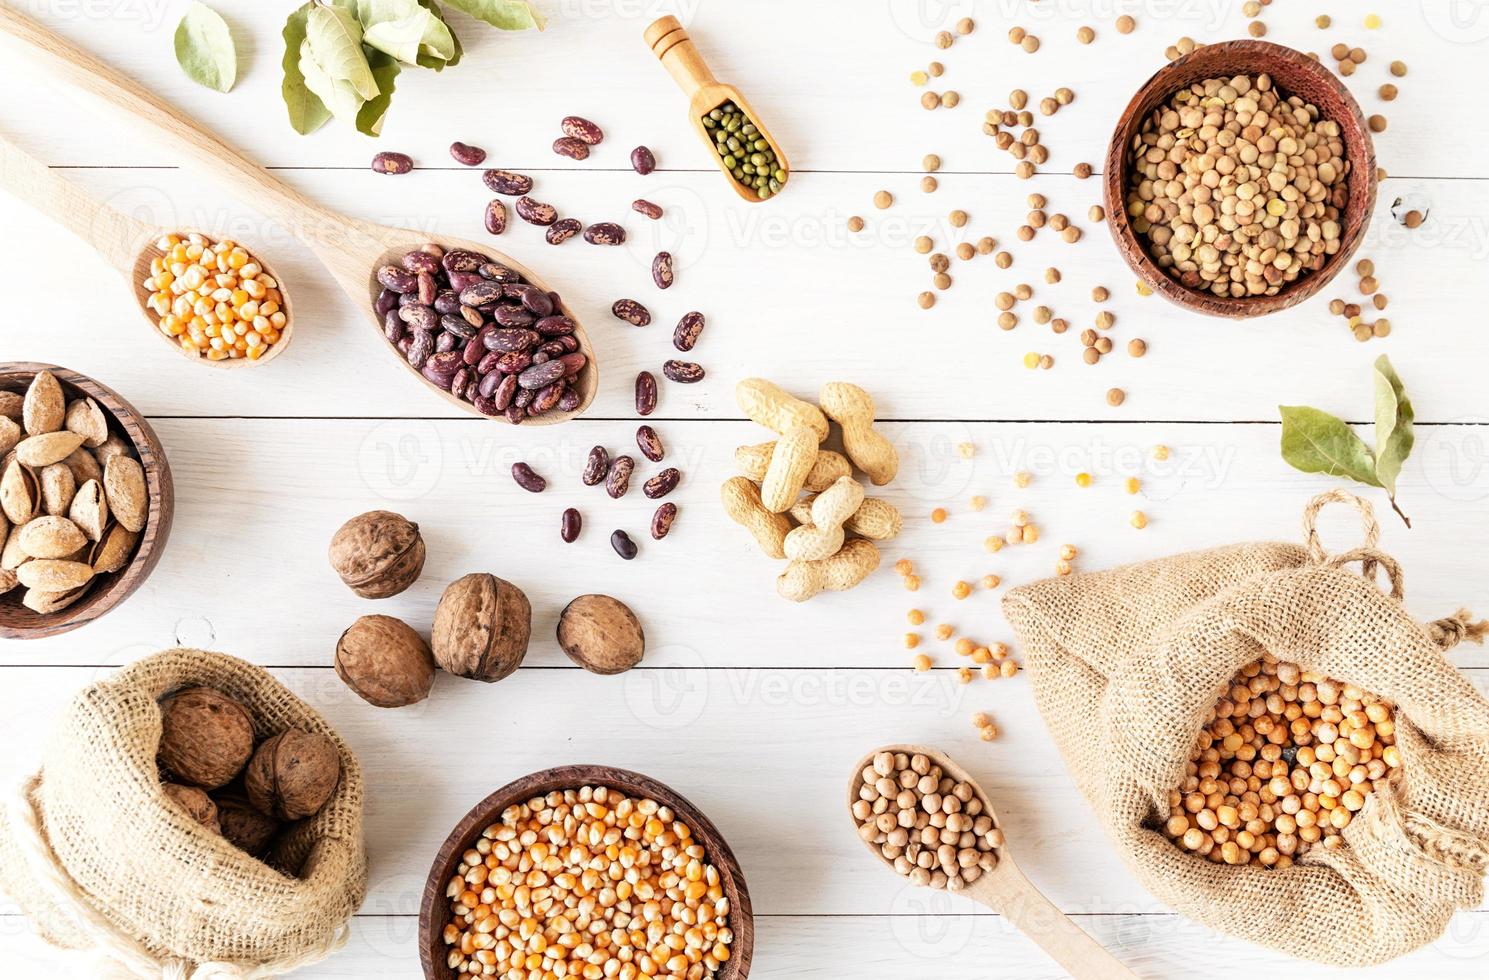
x: 125, y: 243
x: 352, y: 250
x: 670, y: 43
x: 1006, y: 891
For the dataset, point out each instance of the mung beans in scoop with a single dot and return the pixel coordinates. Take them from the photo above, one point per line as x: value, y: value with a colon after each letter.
x: 746, y: 153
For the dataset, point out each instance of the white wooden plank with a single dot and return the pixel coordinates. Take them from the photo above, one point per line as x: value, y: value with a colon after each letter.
x: 259, y: 500
x: 789, y: 294
x: 831, y: 79
x: 894, y: 947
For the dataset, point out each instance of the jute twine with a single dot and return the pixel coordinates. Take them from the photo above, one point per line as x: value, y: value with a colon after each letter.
x: 130, y: 887
x: 1127, y: 664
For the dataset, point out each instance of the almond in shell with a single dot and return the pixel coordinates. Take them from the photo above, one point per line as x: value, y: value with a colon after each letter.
x: 86, y: 419
x: 124, y: 485
x: 54, y: 574
x: 111, y: 447
x: 43, y: 602
x: 112, y: 551
x: 12, y: 556
x: 84, y: 466
x: 58, y: 488
x: 44, y: 408
x: 8, y: 580
x: 20, y: 494
x: 10, y: 434
x: 51, y: 537
x: 47, y: 448
x: 90, y: 510
x: 11, y: 404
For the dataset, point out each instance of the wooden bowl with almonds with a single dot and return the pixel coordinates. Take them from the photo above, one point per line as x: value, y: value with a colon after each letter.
x: 1293, y: 73
x: 64, y: 502
x: 435, y: 912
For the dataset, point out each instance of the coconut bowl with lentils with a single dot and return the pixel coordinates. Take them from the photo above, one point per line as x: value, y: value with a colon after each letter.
x: 1240, y: 179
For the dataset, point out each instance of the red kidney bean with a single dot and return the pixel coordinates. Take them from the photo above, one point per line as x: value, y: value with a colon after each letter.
x: 460, y: 260
x: 419, y: 317
x: 595, y: 467
x: 569, y: 525
x: 513, y: 362
x: 508, y: 183
x: 440, y: 368
x: 685, y: 337
x: 428, y: 288
x: 420, y: 348
x: 497, y: 272
x: 512, y: 315
x: 541, y: 375
x: 570, y: 401
x: 618, y: 481
x: 661, y: 521
x: 661, y: 270
x: 471, y: 156
x: 642, y: 206
x: 513, y: 340
x: 643, y: 161
x: 506, y: 392
x: 572, y: 363
x: 663, y: 483
x: 604, y: 233
x: 393, y: 327
x: 389, y: 162
x: 547, y: 397
x: 528, y: 480
x: 485, y: 405
x: 562, y: 230
x: 398, y: 279
x: 683, y: 372
x: 631, y: 311
x: 420, y: 261
x: 481, y: 292
x: 536, y: 212
x: 556, y: 325
x: 472, y: 317
x: 496, y: 216
x: 650, y: 443
x: 533, y: 298
x: 623, y: 545
x: 646, y: 393
x: 457, y: 326
x: 515, y: 413
x: 446, y: 342
x: 388, y: 300
x: 582, y: 129
x: 574, y: 149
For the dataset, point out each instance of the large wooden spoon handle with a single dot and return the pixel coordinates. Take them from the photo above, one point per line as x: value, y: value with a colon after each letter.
x: 117, y: 237
x: 1009, y: 893
x: 309, y: 221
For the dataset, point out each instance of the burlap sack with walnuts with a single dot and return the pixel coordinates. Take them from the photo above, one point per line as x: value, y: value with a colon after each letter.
x: 1127, y: 663
x: 104, y: 865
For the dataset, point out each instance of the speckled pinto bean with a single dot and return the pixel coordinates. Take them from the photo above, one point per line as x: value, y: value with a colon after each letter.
x: 536, y: 212
x: 508, y: 183
x: 663, y: 483
x: 562, y: 230
x: 581, y: 129
x: 650, y: 443
x: 661, y: 270
x: 464, y: 153
x: 392, y: 163
x: 528, y: 480
x: 603, y: 233
x: 661, y: 521
x: 570, y: 525
x: 618, y: 482
x: 689, y: 328
x: 574, y: 149
x: 683, y: 372
x: 646, y: 393
x: 643, y: 161
x: 496, y: 216
x: 631, y: 311
x: 642, y: 206
x: 596, y: 467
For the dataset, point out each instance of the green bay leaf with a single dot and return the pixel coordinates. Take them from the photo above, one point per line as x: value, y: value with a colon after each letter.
x: 508, y: 15
x: 306, y: 111
x: 205, y: 49
x: 370, y: 117
x: 337, y: 94
x: 1394, y: 419
x: 1317, y: 442
x: 335, y: 38
x: 456, y: 51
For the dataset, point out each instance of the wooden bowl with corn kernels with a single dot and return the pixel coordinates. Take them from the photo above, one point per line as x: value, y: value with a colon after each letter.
x: 436, y: 914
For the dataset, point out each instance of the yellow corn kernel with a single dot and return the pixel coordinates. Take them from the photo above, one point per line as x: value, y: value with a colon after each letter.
x: 1133, y: 484
x: 1083, y: 479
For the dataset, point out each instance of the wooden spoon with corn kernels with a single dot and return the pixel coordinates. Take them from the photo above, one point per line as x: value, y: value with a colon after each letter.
x: 1003, y: 888
x: 352, y: 250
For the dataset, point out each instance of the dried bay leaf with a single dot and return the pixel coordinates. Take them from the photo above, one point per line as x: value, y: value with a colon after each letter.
x: 1317, y: 442
x: 205, y: 49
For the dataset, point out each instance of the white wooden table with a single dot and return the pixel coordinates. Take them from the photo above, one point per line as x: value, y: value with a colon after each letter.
x: 752, y: 707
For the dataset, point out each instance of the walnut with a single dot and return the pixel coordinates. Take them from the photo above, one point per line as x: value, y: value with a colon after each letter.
x: 601, y: 634
x: 293, y: 774
x: 378, y: 554
x: 197, y: 804
x: 385, y: 662
x: 481, y: 627
x: 244, y: 827
x: 205, y: 737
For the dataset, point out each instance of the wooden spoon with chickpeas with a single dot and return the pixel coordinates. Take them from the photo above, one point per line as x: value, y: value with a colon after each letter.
x: 208, y: 299
x: 923, y: 816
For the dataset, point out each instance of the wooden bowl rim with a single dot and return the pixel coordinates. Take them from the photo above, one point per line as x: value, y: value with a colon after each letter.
x: 402, y: 240
x: 160, y: 492
x: 1359, y: 149
x: 432, y: 905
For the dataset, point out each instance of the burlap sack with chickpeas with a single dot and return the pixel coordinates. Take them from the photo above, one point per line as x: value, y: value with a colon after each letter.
x: 105, y: 866
x: 1128, y: 664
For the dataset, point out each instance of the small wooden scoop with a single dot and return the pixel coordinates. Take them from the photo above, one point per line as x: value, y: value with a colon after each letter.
x: 351, y: 250
x: 672, y: 46
x: 125, y: 243
x: 1006, y: 891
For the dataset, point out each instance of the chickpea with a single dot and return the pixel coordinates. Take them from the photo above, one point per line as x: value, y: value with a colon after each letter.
x: 992, y: 543
x: 960, y: 591
x: 912, y: 640
x: 915, y: 617
x: 944, y: 631
x: 938, y: 516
